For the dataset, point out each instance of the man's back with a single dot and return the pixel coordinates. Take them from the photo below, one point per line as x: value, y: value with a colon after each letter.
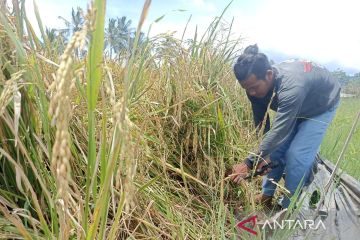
x: 296, y: 77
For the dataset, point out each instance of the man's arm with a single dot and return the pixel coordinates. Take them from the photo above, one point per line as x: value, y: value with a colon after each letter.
x: 290, y: 102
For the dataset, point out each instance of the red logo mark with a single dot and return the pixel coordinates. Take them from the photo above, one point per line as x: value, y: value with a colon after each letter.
x: 252, y: 220
x: 307, y: 66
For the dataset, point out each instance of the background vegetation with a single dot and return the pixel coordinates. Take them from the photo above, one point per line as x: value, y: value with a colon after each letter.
x: 336, y: 136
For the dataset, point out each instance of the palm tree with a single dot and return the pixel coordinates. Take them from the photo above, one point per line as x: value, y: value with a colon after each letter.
x: 56, y: 38
x: 77, y: 20
x: 118, y: 35
x: 132, y: 39
x: 111, y: 36
x: 124, y: 33
x: 51, y: 34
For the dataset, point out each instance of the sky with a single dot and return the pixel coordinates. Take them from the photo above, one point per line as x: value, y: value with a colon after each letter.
x: 319, y: 30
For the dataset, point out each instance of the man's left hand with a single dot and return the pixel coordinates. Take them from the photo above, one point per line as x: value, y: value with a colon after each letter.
x: 241, y: 170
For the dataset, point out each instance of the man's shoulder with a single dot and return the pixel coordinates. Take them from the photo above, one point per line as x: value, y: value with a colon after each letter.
x: 298, y: 66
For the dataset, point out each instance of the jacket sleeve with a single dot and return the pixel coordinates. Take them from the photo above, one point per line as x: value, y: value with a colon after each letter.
x: 290, y: 102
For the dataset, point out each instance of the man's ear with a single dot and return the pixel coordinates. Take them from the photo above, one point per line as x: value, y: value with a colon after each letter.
x: 269, y: 75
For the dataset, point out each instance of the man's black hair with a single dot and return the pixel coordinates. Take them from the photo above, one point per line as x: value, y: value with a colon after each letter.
x: 251, y: 62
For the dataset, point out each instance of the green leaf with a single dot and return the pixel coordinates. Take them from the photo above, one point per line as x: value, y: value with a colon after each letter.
x: 158, y: 19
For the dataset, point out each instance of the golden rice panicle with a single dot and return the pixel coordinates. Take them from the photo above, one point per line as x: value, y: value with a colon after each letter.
x: 128, y: 160
x: 60, y: 110
x: 10, y: 87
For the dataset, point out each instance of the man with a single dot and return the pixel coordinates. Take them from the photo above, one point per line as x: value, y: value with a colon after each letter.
x: 305, y: 97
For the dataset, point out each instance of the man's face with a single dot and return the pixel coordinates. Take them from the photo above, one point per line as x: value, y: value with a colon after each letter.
x: 257, y: 87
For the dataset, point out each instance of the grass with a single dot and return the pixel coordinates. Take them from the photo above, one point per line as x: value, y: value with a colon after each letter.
x: 337, y: 134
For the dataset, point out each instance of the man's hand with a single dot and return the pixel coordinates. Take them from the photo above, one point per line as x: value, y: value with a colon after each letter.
x: 241, y: 170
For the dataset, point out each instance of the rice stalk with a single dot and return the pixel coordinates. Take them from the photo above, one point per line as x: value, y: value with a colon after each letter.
x: 60, y: 110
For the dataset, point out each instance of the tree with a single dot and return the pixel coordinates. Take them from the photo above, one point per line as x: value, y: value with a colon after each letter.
x: 76, y: 23
x: 77, y: 20
x: 341, y: 76
x: 124, y: 33
x: 51, y: 34
x: 132, y: 39
x: 56, y: 38
x: 349, y: 84
x: 119, y: 35
x: 111, y: 36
